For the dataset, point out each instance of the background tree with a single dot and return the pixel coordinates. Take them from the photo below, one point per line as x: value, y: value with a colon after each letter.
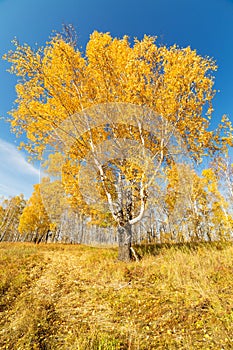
x: 220, y: 216
x: 223, y: 169
x: 196, y: 208
x: 34, y: 224
x: 10, y: 212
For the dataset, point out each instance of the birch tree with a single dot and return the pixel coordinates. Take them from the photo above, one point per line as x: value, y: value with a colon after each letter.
x: 34, y: 224
x: 10, y: 213
x: 62, y: 91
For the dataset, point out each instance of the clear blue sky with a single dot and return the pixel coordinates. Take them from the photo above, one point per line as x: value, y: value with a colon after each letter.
x: 205, y: 25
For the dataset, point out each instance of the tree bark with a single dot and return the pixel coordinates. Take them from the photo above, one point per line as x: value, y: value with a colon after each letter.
x: 124, y: 242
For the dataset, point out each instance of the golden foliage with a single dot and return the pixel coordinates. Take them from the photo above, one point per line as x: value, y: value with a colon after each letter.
x: 58, y: 81
x: 34, y: 219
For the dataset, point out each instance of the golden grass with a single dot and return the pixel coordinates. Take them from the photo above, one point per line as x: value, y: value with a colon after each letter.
x: 77, y: 297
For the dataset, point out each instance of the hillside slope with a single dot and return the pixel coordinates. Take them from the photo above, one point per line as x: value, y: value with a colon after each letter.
x: 76, y: 297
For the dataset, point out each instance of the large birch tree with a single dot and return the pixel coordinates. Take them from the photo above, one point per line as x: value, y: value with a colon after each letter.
x: 60, y: 97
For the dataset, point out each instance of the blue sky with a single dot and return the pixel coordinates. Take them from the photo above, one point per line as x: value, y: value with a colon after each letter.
x: 205, y: 25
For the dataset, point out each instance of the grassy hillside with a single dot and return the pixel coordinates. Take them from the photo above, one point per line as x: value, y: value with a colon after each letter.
x: 76, y: 297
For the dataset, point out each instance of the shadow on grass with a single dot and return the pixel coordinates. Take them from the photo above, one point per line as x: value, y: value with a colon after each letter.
x: 157, y: 248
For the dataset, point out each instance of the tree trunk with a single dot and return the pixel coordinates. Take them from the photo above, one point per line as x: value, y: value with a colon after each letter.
x: 47, y: 236
x: 124, y: 242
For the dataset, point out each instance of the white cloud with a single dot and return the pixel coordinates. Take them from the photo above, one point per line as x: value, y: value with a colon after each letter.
x: 16, y: 174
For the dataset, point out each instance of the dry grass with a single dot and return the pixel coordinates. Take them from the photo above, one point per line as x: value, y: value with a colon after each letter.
x: 76, y: 297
